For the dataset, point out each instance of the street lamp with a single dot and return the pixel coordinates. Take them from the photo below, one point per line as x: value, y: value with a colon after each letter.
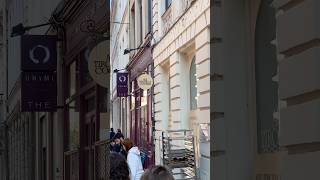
x: 19, y: 29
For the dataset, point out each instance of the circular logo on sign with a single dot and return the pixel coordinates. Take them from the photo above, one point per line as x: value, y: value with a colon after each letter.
x: 122, y: 79
x: 98, y: 64
x: 145, y: 81
x: 34, y: 59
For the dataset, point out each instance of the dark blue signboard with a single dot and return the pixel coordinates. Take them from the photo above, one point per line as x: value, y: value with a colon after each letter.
x: 39, y: 79
x: 122, y: 84
x: 38, y: 92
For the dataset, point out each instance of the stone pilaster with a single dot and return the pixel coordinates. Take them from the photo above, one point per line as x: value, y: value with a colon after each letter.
x: 298, y: 39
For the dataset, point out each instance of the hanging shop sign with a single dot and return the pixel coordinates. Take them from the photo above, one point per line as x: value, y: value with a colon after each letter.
x: 145, y: 81
x: 122, y: 84
x: 38, y: 92
x: 38, y: 53
x: 38, y: 77
x: 99, y: 66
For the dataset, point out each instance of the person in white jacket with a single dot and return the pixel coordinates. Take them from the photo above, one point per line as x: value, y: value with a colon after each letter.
x: 133, y: 159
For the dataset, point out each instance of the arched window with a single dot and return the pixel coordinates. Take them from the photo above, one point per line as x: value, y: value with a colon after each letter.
x: 265, y: 70
x: 193, y: 85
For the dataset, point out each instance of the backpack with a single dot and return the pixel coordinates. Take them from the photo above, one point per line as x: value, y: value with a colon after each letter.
x: 143, y: 157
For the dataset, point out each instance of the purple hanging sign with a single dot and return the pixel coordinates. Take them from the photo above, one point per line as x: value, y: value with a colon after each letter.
x: 122, y: 84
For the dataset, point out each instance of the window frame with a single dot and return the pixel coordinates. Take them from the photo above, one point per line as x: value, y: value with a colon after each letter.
x: 193, y: 99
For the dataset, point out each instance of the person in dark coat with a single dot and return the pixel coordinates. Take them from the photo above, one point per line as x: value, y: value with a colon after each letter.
x: 111, y: 134
x: 119, y: 169
x: 116, y: 146
x: 118, y: 135
x: 157, y: 173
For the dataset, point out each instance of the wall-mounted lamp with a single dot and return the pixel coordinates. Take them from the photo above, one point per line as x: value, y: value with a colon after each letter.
x: 127, y: 51
x: 117, y: 70
x: 19, y: 29
x: 115, y: 22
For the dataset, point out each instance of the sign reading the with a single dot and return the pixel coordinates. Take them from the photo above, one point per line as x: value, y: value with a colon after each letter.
x: 38, y: 92
x: 38, y: 53
x: 122, y: 84
x: 145, y: 81
x: 99, y: 67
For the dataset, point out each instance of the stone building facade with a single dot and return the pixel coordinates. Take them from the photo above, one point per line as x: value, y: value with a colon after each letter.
x: 182, y: 73
x: 119, y: 42
x: 265, y: 89
x: 29, y: 139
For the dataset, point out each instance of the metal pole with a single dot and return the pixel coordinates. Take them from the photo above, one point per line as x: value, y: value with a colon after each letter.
x: 36, y: 26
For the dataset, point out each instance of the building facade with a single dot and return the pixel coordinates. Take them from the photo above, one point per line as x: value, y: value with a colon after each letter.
x: 119, y: 42
x: 3, y: 142
x: 85, y: 103
x: 29, y: 146
x: 182, y: 74
x: 265, y: 53
x: 68, y: 143
x: 141, y: 101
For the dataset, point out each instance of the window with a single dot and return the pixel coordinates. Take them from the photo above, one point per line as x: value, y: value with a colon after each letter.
x: 149, y: 15
x: 72, y: 78
x: 104, y: 99
x: 132, y: 28
x: 133, y: 99
x: 146, y: 13
x: 85, y: 75
x: 140, y: 28
x: 168, y: 3
x: 193, y: 85
x: 266, y: 88
x: 73, y: 123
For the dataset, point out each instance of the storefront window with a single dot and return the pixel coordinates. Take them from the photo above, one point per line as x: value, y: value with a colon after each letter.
x: 73, y: 127
x: 133, y: 99
x: 193, y: 85
x: 72, y: 78
x: 144, y: 98
x: 90, y: 104
x: 85, y: 75
x: 104, y: 99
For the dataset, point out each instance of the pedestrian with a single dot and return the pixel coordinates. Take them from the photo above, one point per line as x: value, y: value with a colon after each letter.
x: 133, y: 159
x: 119, y: 169
x: 157, y: 173
x: 111, y: 145
x: 117, y: 146
x: 111, y: 134
x: 118, y: 135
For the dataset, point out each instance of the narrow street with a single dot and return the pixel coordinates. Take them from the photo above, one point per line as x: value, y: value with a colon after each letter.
x: 82, y: 81
x: 159, y: 89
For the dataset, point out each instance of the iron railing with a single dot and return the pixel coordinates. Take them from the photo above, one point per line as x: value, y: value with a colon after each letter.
x: 102, y: 168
